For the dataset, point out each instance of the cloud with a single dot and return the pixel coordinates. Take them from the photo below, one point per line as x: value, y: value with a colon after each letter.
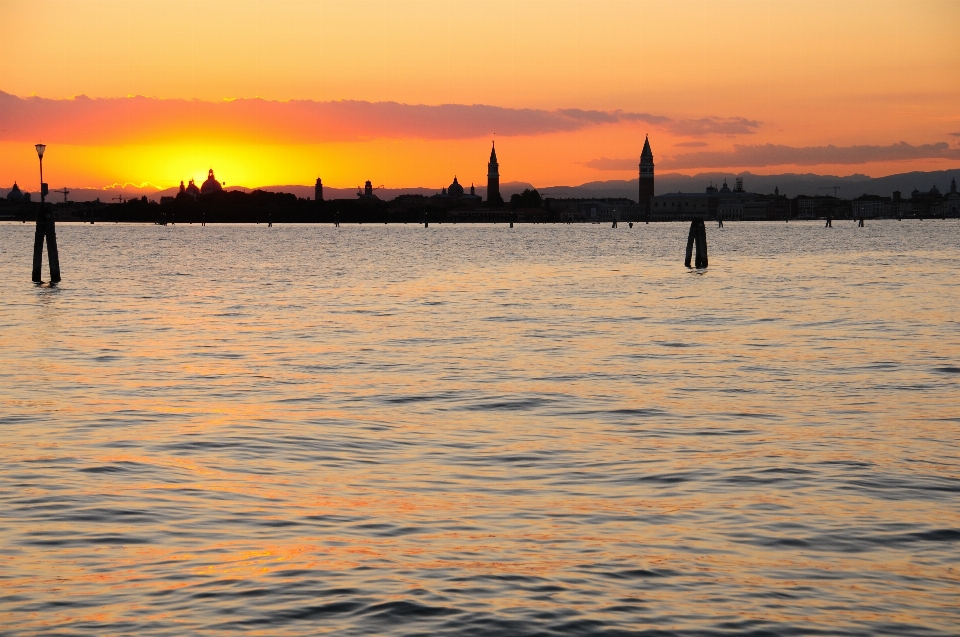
x: 696, y: 127
x: 130, y: 120
x: 714, y: 126
x: 779, y: 155
x: 957, y: 134
x: 691, y: 144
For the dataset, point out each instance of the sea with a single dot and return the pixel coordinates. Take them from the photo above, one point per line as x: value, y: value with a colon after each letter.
x: 481, y: 430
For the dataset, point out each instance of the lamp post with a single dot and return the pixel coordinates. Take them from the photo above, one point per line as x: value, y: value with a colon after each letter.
x: 45, y: 228
x: 40, y: 148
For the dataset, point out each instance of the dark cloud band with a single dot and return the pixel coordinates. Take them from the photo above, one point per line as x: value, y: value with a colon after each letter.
x: 105, y: 121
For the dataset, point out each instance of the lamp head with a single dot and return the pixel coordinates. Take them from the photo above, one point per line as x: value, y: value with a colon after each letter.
x: 40, y: 149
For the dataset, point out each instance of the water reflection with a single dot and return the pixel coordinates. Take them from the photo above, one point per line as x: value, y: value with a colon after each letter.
x: 475, y: 430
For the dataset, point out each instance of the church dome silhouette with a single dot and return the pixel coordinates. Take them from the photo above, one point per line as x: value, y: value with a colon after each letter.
x: 455, y: 189
x: 210, y: 185
x: 15, y: 194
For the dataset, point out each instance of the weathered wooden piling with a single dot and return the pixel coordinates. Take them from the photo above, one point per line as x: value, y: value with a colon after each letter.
x: 829, y: 223
x: 614, y: 223
x: 701, y: 244
x: 698, y: 237
x: 45, y: 229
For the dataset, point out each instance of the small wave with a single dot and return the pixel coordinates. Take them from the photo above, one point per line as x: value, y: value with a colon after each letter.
x: 509, y: 405
x: 408, y: 610
x: 639, y: 573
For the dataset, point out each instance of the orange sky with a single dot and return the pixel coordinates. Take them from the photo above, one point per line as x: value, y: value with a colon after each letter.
x: 760, y: 86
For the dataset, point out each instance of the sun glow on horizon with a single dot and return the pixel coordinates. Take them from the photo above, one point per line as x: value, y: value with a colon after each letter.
x: 343, y: 91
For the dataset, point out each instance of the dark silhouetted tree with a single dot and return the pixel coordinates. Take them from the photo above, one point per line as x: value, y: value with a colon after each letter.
x: 527, y: 199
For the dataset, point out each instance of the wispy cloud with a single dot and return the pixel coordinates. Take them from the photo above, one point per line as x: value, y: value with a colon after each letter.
x: 779, y: 155
x: 957, y: 134
x: 105, y: 121
x: 703, y: 126
x: 691, y: 144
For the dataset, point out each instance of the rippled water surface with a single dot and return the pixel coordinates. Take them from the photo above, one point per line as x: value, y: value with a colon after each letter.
x: 550, y: 430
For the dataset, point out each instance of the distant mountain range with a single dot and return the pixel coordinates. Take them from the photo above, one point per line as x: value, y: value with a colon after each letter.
x: 790, y: 184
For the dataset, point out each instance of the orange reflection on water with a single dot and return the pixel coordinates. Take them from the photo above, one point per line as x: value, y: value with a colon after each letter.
x: 477, y: 419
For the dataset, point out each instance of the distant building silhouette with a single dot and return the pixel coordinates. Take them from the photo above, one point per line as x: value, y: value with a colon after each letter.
x: 493, y: 179
x: 646, y: 175
x: 455, y: 194
x: 685, y: 206
x: 318, y: 190
x: 15, y: 195
x: 740, y: 205
x: 367, y: 192
x: 594, y: 210
x: 210, y: 185
x: 951, y: 202
x: 725, y: 204
x: 871, y: 207
x: 455, y: 189
x: 190, y: 191
x: 926, y: 204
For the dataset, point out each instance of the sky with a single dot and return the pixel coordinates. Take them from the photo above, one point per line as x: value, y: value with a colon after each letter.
x: 410, y: 93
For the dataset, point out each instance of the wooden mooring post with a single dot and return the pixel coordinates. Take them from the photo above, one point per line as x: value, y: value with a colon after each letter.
x: 45, y: 229
x: 698, y: 237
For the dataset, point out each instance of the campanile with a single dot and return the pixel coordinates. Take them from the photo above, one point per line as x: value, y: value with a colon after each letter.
x: 493, y: 179
x: 646, y: 175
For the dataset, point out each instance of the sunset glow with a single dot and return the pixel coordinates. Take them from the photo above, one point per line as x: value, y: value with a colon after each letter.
x: 479, y: 317
x: 410, y: 93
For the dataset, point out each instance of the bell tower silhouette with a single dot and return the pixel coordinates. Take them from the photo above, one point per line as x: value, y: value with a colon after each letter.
x: 646, y: 175
x: 493, y: 179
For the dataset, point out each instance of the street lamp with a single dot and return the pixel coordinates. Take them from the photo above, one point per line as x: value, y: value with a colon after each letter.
x: 40, y: 148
